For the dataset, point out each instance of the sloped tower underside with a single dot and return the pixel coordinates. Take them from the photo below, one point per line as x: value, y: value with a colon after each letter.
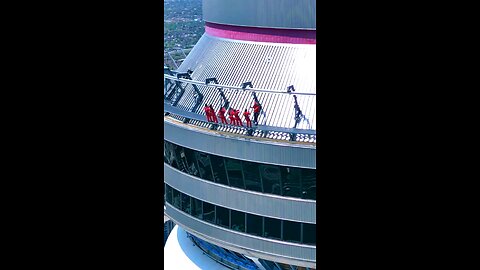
x: 270, y: 66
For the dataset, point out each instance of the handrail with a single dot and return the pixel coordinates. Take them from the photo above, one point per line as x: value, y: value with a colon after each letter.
x: 195, y: 116
x: 237, y: 87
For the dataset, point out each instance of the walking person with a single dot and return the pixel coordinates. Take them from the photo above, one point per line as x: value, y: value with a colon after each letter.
x: 231, y: 117
x: 221, y: 114
x: 246, y: 114
x: 237, y: 118
x: 207, y: 113
x: 212, y: 114
x: 256, y: 111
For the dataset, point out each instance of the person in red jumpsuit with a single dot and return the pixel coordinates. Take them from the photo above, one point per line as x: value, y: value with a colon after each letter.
x: 207, y: 113
x: 231, y: 117
x: 246, y: 114
x: 237, y: 118
x: 221, y: 114
x: 256, y: 111
x: 212, y: 114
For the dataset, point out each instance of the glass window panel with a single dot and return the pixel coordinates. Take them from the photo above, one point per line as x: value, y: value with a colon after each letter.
x: 238, y: 221
x: 208, y: 212
x: 271, y: 179
x: 219, y: 172
x: 291, y: 182
x: 251, y: 173
x: 169, y: 194
x: 192, y: 166
x: 165, y: 155
x: 173, y: 156
x: 169, y: 154
x: 254, y: 224
x: 181, y: 158
x: 235, y: 175
x: 204, y: 166
x: 186, y: 203
x: 222, y: 216
x: 272, y: 228
x: 291, y: 231
x: 309, y: 184
x: 309, y: 233
x: 176, y: 199
x: 196, y: 208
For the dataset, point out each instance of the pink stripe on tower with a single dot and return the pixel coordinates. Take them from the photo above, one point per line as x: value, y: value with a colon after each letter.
x: 295, y: 36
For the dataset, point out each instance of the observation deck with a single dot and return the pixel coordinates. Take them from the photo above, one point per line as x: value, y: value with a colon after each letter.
x: 219, y: 72
x: 182, y: 115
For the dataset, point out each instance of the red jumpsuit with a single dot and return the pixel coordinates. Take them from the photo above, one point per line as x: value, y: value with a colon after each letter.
x: 256, y: 112
x: 207, y: 113
x: 212, y: 115
x: 247, y: 118
x: 221, y: 114
x: 237, y: 118
x: 231, y: 117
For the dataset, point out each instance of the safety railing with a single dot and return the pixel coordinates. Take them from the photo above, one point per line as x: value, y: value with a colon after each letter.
x: 251, y: 89
x: 188, y: 117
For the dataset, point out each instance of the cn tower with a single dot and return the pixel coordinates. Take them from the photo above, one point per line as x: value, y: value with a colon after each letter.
x: 244, y: 197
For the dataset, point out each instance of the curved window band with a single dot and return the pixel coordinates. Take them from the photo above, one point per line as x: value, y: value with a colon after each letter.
x: 253, y: 176
x: 272, y: 228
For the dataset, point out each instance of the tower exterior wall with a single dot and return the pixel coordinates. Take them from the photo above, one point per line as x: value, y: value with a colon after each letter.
x: 288, y: 14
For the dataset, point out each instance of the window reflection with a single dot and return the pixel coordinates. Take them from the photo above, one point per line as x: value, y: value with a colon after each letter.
x: 222, y: 216
x: 235, y: 220
x: 252, y: 176
x: 169, y: 154
x: 280, y: 180
x: 291, y: 181
x: 181, y: 159
x: 186, y: 203
x: 169, y: 194
x: 197, y: 208
x: 204, y: 166
x: 270, y: 179
x: 177, y: 201
x: 209, y: 212
x: 238, y: 220
x: 191, y: 162
x: 219, y: 172
x: 165, y: 158
x: 309, y: 187
x: 235, y: 175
